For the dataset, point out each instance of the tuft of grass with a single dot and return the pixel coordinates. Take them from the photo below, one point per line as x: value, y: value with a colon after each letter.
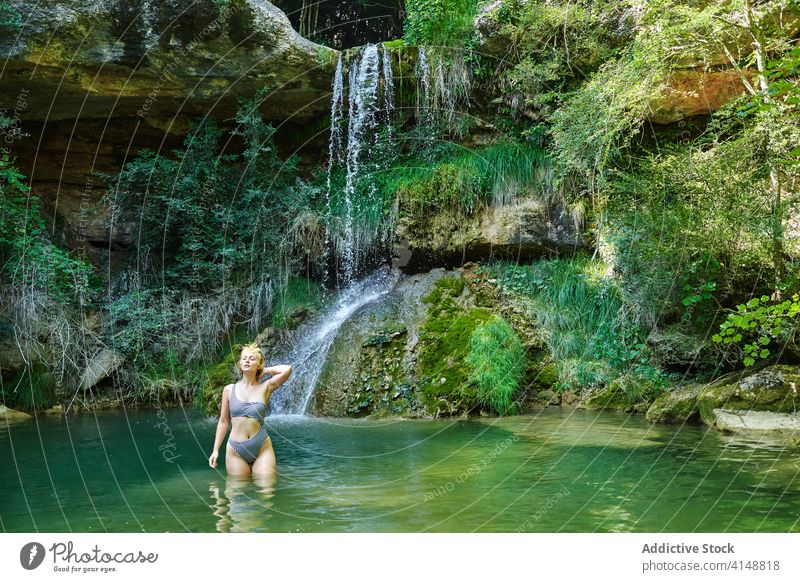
x: 582, y: 315
x: 497, y: 362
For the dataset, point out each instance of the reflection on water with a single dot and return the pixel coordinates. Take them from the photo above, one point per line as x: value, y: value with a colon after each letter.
x: 242, y: 504
x: 559, y: 470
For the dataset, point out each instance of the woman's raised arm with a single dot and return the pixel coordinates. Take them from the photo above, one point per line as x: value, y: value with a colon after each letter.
x: 281, y: 374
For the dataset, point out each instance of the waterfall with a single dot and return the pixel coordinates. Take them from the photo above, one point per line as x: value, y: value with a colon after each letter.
x: 314, y: 339
x: 388, y: 91
x: 445, y: 81
x: 334, y: 147
x: 357, y: 144
x: 424, y: 94
x: 355, y: 208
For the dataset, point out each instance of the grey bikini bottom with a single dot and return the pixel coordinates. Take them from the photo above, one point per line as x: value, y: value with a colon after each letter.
x: 249, y: 449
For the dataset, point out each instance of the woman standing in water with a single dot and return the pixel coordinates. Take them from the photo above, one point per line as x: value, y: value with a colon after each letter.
x: 243, y: 408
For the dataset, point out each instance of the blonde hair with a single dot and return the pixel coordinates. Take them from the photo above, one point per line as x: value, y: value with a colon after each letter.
x: 256, y: 349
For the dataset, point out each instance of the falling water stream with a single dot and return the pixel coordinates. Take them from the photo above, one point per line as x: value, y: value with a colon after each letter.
x: 353, y: 140
x: 314, y: 339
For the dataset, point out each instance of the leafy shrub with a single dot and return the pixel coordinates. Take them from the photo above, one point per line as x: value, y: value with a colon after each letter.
x: 757, y: 324
x: 28, y: 256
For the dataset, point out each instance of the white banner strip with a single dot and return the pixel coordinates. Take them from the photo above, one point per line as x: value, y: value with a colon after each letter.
x: 485, y: 557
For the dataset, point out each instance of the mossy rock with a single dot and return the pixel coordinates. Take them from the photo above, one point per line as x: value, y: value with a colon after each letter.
x: 606, y: 398
x: 627, y: 393
x: 546, y: 377
x: 382, y: 389
x: 772, y: 389
x: 386, y: 335
x: 550, y: 397
x: 679, y: 405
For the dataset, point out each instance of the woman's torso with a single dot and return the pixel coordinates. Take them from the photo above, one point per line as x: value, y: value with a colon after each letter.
x: 245, y: 427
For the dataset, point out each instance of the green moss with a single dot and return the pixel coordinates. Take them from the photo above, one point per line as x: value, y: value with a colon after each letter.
x: 770, y: 390
x: 397, y: 44
x: 627, y: 392
x: 449, y: 285
x: 606, y: 398
x: 547, y: 377
x: 445, y: 336
x: 679, y: 405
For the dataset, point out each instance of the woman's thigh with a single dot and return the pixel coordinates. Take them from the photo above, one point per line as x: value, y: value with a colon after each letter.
x: 265, y: 462
x: 234, y: 464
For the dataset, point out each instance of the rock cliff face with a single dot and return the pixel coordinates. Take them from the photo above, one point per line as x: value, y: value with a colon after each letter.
x: 521, y: 231
x: 91, y: 82
x: 160, y: 61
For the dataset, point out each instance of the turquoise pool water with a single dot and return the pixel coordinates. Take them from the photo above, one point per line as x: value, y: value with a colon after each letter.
x: 557, y: 471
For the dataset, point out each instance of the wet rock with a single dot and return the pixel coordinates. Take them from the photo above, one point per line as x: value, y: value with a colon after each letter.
x: 549, y: 396
x: 678, y: 405
x: 521, y: 230
x: 569, y: 398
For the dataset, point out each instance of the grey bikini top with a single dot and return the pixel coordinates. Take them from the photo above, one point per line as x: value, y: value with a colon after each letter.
x: 249, y: 408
